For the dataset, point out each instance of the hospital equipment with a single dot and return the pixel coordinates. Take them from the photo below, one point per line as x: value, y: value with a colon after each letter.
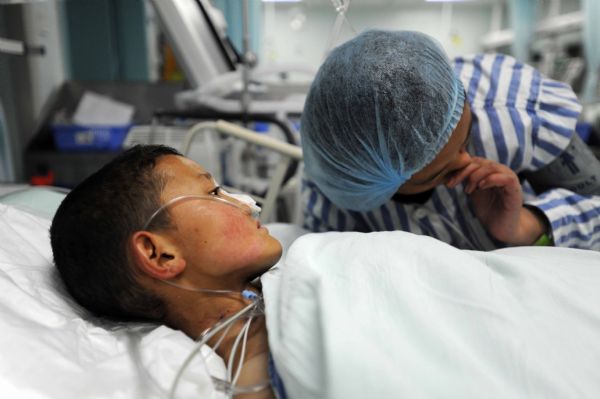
x: 221, y: 79
x: 341, y: 7
x: 289, y: 154
x: 227, y: 85
x: 197, y: 31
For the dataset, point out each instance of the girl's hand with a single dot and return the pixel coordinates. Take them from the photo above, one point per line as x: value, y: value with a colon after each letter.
x: 497, y: 198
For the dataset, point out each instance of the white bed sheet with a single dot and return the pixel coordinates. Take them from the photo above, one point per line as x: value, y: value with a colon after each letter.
x: 422, y: 318
x: 52, y: 348
x: 396, y: 315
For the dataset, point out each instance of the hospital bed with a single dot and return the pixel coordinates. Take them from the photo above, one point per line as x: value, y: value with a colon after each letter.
x: 438, y: 338
x: 281, y: 179
x: 52, y: 348
x: 387, y: 314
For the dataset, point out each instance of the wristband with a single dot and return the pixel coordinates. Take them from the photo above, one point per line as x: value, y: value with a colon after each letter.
x: 544, y: 241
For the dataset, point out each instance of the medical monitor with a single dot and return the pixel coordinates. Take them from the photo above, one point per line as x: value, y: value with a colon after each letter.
x: 195, y: 31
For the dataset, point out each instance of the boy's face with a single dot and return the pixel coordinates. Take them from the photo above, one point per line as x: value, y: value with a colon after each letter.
x: 218, y: 240
x: 451, y: 159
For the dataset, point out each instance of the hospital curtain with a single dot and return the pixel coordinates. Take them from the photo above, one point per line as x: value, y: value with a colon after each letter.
x: 523, y: 20
x: 591, y: 43
x: 233, y: 12
x: 106, y: 40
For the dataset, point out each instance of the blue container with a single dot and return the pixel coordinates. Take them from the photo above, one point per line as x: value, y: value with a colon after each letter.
x: 89, y: 137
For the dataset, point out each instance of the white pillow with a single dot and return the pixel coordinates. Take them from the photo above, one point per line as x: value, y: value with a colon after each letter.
x: 38, y: 200
x: 52, y: 348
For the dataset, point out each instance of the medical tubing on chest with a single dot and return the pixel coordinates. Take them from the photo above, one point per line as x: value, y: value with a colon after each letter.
x: 243, y: 337
x: 198, y: 346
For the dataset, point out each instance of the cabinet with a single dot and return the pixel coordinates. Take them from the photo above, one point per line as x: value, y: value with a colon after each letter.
x: 67, y: 169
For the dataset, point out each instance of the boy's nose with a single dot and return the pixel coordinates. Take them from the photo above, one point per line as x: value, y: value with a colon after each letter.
x: 245, y: 202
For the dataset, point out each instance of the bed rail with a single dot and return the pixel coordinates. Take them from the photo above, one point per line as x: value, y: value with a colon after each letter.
x: 289, y: 152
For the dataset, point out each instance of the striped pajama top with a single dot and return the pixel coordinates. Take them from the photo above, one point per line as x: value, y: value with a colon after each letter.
x: 520, y: 119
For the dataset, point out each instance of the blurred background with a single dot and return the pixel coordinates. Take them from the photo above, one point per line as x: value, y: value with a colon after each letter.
x: 175, y: 61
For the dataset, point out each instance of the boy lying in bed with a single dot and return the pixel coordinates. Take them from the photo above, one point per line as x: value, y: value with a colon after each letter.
x: 116, y: 268
x: 151, y: 236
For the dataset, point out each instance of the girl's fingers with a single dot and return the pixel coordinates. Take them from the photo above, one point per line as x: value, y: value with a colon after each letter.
x: 504, y: 177
x: 460, y: 175
x: 508, y: 182
x: 477, y: 176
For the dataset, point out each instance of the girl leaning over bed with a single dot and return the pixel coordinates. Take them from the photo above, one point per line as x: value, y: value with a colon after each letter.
x: 151, y: 236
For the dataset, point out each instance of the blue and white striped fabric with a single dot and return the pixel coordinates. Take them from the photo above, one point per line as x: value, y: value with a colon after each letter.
x: 521, y: 119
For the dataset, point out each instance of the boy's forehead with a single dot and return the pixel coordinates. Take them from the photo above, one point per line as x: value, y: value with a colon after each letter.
x: 177, y: 165
x: 183, y: 176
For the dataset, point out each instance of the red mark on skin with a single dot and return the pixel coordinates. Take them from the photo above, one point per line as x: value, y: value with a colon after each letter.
x: 241, y: 232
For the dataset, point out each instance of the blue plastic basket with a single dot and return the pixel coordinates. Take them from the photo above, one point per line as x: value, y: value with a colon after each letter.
x: 89, y: 137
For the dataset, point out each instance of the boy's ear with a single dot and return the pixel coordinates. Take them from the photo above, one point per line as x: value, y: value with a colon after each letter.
x: 155, y: 256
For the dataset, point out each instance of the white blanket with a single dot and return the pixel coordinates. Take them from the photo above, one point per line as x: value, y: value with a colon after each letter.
x: 395, y: 315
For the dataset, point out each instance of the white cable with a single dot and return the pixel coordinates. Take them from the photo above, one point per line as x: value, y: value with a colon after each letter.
x: 191, y: 134
x: 341, y: 7
x: 233, y: 352
x: 243, y: 354
x: 218, y: 327
x: 221, y: 338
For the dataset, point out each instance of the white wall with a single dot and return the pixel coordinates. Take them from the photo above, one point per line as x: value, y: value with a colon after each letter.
x: 300, y: 33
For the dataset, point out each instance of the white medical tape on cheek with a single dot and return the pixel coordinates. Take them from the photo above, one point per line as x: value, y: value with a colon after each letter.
x: 246, y: 200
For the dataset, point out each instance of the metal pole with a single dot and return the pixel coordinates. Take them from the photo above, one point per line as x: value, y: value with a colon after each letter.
x: 246, y: 58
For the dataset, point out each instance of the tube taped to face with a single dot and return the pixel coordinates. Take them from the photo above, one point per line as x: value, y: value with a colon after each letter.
x: 249, y: 202
x: 244, y: 202
x: 380, y: 109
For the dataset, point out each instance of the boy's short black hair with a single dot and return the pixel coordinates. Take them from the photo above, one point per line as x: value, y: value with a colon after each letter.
x: 91, y: 227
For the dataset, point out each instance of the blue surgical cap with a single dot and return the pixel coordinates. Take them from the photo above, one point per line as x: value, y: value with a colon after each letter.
x: 380, y: 109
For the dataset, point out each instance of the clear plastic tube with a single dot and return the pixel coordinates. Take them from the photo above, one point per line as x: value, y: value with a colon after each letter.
x: 226, y: 386
x: 341, y: 7
x: 245, y: 205
x: 243, y: 338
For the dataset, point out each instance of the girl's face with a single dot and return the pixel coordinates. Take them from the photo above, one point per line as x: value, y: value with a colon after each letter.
x: 218, y: 241
x: 453, y: 158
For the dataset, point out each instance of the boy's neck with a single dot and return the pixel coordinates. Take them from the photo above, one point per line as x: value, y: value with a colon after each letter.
x: 202, y: 312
